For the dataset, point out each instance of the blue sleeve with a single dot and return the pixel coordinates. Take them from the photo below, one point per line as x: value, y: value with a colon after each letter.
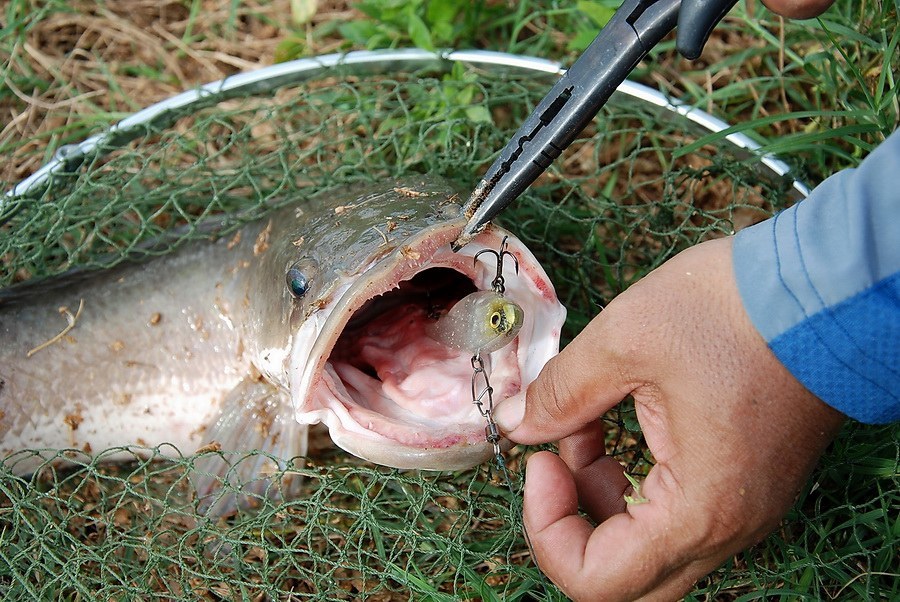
x: 821, y: 283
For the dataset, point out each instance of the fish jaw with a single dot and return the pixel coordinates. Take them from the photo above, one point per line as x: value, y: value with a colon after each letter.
x: 390, y: 394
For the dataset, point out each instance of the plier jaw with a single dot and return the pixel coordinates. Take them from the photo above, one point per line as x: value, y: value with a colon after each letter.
x: 635, y: 28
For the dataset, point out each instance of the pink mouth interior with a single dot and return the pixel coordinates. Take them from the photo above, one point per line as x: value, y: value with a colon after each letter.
x: 389, y: 366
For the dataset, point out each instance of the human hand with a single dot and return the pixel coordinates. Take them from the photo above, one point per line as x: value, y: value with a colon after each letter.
x: 733, y: 434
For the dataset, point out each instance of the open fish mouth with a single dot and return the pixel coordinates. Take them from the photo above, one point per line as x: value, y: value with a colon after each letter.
x: 388, y: 392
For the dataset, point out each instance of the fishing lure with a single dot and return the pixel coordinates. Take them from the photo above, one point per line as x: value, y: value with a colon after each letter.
x: 483, y: 321
x: 480, y: 323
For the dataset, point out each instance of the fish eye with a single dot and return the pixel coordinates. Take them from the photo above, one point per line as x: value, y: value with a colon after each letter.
x: 298, y: 278
x: 495, y: 319
x: 297, y: 282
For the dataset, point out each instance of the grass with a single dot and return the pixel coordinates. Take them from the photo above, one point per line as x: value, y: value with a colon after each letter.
x: 820, y: 93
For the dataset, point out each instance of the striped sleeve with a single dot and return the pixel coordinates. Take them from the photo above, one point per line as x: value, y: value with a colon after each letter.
x: 821, y: 283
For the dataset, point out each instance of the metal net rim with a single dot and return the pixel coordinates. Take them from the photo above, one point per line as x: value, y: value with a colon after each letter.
x: 368, y: 62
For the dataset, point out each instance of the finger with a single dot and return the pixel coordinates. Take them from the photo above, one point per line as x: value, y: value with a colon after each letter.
x: 623, y: 558
x: 798, y: 9
x: 584, y: 446
x: 550, y: 512
x: 599, y: 479
x: 575, y: 387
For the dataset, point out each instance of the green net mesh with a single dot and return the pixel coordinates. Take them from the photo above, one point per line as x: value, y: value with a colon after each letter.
x: 615, y: 206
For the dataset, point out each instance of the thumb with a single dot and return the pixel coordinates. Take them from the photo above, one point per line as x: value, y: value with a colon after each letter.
x: 575, y: 387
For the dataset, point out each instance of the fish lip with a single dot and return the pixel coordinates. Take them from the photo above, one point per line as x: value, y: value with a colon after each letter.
x: 442, y: 451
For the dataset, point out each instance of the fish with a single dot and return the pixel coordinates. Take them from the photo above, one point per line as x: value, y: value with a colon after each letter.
x: 316, y: 313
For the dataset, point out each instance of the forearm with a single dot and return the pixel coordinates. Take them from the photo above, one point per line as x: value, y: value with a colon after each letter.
x: 821, y: 283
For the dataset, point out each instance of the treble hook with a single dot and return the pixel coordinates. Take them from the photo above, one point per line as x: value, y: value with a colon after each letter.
x: 497, y: 284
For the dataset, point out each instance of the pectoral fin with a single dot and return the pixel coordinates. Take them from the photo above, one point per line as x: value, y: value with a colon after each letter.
x: 248, y: 446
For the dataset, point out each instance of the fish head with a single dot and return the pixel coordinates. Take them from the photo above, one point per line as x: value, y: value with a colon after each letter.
x: 360, y: 359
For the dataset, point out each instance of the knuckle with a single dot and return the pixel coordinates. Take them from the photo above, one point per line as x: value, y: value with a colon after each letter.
x: 726, y: 523
x: 702, y: 520
x: 623, y: 327
x: 551, y: 391
x: 623, y: 330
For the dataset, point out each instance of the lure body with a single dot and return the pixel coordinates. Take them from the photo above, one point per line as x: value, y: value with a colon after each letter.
x: 481, y: 322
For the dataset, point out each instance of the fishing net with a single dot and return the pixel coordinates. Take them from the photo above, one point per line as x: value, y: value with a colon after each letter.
x: 616, y: 205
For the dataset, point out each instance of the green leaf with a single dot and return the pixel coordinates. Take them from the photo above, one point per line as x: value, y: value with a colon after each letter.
x: 846, y: 34
x: 418, y: 32
x: 479, y: 114
x: 582, y: 39
x: 442, y: 32
x: 372, y: 9
x: 465, y: 95
x: 359, y: 32
x: 598, y: 12
x: 443, y: 12
x: 289, y: 49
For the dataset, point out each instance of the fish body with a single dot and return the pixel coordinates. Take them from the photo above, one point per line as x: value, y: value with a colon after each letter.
x: 316, y: 313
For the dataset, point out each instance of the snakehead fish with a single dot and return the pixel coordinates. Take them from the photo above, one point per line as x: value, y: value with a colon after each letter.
x: 316, y: 313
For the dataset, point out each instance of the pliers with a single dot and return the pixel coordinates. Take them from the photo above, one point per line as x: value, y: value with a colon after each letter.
x: 635, y: 28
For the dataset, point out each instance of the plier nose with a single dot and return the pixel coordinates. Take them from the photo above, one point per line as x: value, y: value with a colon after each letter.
x: 635, y: 28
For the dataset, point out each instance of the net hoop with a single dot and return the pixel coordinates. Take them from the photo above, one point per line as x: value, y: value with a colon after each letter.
x: 367, y: 62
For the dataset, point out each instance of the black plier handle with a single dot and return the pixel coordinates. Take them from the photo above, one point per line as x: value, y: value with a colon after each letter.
x: 635, y: 28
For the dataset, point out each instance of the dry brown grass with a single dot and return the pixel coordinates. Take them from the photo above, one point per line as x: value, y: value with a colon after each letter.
x: 122, y: 56
x: 92, y: 63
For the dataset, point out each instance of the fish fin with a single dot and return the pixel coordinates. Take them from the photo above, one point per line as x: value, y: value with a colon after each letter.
x: 249, y: 444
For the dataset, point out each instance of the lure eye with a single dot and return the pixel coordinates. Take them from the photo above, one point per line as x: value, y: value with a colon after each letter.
x: 496, y: 319
x: 298, y: 278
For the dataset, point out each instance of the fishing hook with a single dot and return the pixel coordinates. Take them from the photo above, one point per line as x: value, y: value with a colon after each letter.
x: 497, y: 284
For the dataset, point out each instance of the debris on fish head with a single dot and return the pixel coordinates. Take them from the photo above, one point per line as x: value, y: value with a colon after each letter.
x: 363, y: 283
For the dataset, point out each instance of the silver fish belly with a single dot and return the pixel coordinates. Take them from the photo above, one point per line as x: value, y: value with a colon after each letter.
x: 315, y: 314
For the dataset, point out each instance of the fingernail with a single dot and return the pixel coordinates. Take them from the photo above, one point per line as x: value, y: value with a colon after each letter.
x: 509, y: 413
